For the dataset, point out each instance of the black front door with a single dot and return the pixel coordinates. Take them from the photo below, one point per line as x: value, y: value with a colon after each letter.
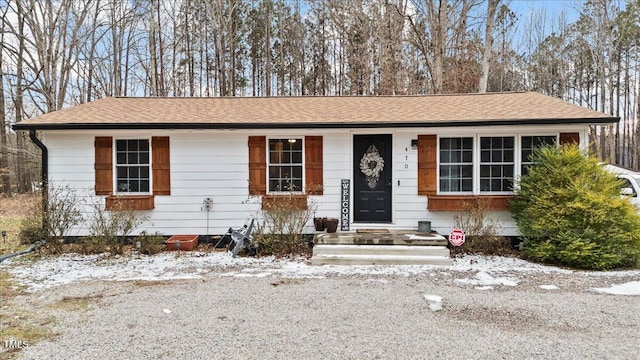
x: 372, y: 178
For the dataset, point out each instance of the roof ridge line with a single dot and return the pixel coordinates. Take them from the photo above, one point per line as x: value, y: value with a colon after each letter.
x: 317, y: 96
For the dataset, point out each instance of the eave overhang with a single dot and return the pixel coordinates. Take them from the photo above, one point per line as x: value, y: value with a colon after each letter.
x: 311, y: 125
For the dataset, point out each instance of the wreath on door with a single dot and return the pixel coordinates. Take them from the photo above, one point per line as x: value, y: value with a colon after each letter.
x: 372, y: 165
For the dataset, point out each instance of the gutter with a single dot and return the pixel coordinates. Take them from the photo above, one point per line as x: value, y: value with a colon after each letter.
x: 310, y: 125
x: 45, y: 168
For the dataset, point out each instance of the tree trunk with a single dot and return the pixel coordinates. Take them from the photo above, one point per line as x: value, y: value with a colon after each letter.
x: 4, y: 154
x: 438, y: 25
x: 19, y: 103
x: 492, y: 6
x: 152, y: 51
x: 267, y: 50
x: 162, y: 90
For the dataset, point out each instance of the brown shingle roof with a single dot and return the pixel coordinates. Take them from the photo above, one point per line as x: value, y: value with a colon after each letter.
x: 305, y: 111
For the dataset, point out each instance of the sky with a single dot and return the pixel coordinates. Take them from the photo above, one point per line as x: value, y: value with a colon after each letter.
x: 571, y: 7
x: 523, y: 8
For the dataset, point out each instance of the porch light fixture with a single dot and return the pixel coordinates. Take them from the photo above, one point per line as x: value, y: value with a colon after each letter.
x: 414, y: 144
x: 292, y: 141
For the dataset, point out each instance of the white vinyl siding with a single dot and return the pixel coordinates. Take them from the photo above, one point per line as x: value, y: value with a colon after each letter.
x: 215, y: 164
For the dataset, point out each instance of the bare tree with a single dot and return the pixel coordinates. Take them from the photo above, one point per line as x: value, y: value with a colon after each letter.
x: 4, y: 154
x: 437, y: 18
x: 492, y: 6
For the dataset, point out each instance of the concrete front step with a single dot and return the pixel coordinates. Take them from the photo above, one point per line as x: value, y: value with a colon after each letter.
x: 380, y: 260
x: 380, y: 255
x: 393, y: 237
x: 381, y: 250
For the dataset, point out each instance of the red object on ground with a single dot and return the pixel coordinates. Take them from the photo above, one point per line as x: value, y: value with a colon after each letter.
x: 182, y: 242
x: 456, y: 238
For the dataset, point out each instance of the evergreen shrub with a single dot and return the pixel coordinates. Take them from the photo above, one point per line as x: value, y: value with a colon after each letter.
x: 569, y: 211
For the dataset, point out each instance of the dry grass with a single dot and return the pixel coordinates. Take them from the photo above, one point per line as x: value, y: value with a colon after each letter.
x: 18, y: 321
x: 75, y: 303
x: 15, y: 205
x: 10, y: 289
x: 10, y: 244
x: 23, y: 325
x: 12, y: 211
x: 148, y: 283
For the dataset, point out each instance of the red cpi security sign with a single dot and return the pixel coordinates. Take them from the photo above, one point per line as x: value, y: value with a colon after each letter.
x: 456, y: 238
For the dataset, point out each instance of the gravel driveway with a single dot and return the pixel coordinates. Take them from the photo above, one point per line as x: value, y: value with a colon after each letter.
x: 339, y: 316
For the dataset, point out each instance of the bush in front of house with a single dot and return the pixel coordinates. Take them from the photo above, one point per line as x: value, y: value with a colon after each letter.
x: 281, y: 231
x: 31, y: 230
x: 110, y: 229
x: 51, y: 224
x: 150, y: 244
x: 569, y: 212
x: 482, y: 231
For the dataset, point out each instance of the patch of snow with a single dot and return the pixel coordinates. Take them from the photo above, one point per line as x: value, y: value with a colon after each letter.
x: 166, y: 311
x: 433, y: 298
x: 382, y: 281
x: 484, y: 279
x: 43, y: 273
x: 548, y: 287
x: 614, y: 273
x: 629, y: 288
x: 418, y: 237
x: 500, y: 263
x: 435, y: 302
x: 484, y: 287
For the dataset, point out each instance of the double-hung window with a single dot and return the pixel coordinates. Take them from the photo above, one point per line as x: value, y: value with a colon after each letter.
x: 285, y: 166
x: 133, y: 166
x: 482, y: 164
x: 497, y: 163
x: 456, y: 164
x: 529, y: 144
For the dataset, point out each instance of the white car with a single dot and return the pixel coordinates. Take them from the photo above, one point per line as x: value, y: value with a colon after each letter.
x: 631, y: 181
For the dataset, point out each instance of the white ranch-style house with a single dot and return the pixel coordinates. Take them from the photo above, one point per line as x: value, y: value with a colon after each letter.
x: 374, y: 161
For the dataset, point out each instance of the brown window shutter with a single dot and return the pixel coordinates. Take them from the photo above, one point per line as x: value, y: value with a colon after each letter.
x: 313, y: 165
x: 160, y: 164
x: 104, y: 165
x: 569, y: 138
x: 257, y: 165
x: 427, y: 162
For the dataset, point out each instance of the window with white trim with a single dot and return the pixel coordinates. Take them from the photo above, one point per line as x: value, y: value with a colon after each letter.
x: 133, y: 166
x: 497, y: 163
x: 529, y: 144
x: 485, y: 164
x: 285, y: 165
x: 456, y: 164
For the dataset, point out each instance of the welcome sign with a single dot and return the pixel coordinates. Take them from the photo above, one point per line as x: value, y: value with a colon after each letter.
x: 345, y: 199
